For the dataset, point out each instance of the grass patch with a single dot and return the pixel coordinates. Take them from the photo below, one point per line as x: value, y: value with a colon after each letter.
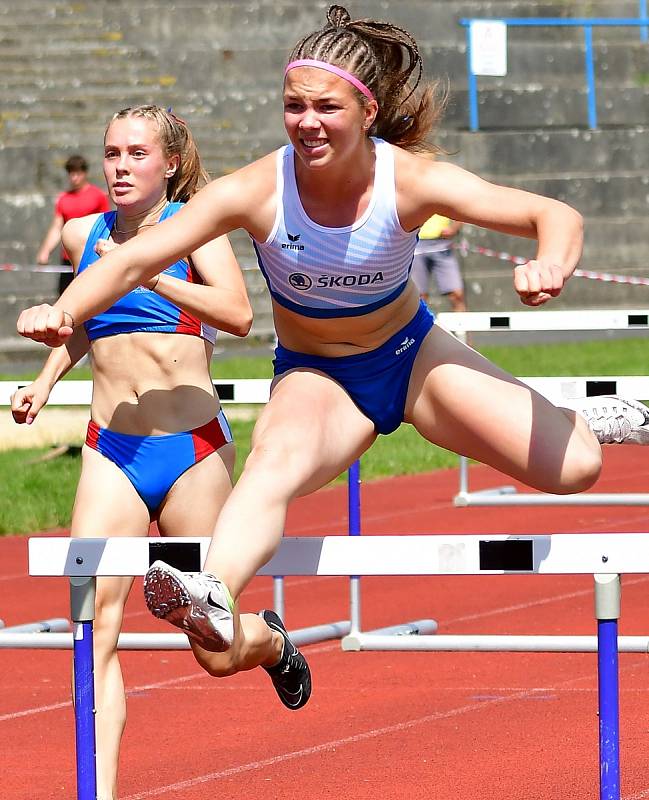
x: 36, y: 496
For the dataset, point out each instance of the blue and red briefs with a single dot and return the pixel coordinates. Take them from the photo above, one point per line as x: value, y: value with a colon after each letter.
x: 376, y: 381
x: 154, y: 463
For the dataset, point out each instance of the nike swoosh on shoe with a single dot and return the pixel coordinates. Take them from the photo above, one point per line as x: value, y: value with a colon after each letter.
x: 214, y: 604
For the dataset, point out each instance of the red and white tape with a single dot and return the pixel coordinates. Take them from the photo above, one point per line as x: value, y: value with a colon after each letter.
x: 35, y: 268
x: 464, y: 247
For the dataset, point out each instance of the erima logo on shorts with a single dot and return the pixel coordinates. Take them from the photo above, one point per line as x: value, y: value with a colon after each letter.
x: 364, y: 279
x: 405, y: 344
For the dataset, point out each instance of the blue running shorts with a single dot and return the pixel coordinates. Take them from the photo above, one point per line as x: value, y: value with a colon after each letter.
x: 376, y: 381
x: 154, y: 463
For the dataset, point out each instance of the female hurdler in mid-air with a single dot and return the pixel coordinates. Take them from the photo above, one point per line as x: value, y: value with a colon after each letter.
x: 334, y: 218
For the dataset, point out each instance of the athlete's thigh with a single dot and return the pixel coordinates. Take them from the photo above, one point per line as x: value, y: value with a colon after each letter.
x: 194, y: 501
x: 315, y: 426
x: 463, y: 402
x: 106, y: 503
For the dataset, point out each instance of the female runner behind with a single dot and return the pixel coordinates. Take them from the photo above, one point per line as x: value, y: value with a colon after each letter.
x: 158, y: 445
x: 334, y: 218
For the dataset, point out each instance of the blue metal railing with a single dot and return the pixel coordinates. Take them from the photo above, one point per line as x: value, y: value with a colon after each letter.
x: 587, y: 23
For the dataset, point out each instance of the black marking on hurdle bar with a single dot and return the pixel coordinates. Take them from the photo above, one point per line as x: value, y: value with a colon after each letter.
x: 638, y: 320
x: 185, y: 556
x: 507, y: 555
x: 499, y: 322
x: 595, y: 388
x: 225, y: 391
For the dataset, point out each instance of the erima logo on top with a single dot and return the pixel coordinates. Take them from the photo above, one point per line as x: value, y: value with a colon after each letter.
x: 303, y: 282
x: 291, y: 244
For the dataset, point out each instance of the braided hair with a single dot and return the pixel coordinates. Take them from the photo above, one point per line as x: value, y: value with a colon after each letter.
x: 175, y: 139
x: 387, y: 60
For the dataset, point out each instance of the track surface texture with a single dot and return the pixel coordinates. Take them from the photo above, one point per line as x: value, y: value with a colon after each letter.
x: 379, y: 725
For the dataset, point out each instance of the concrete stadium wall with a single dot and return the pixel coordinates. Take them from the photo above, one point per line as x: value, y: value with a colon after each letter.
x: 68, y: 65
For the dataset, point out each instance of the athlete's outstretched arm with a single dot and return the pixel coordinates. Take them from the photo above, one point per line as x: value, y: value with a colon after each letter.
x: 212, y: 212
x: 452, y: 191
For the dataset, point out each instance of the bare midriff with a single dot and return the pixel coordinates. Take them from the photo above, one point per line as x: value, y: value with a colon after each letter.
x: 148, y: 384
x: 345, y: 336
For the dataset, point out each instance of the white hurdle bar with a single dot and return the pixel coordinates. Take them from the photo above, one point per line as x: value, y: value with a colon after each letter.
x: 556, y: 390
x: 605, y: 556
x: 543, y: 320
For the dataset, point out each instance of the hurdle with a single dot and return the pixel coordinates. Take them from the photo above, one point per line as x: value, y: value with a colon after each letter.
x: 555, y: 389
x: 605, y: 556
x: 242, y: 391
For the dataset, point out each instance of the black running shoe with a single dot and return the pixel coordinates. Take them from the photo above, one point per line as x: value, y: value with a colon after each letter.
x: 291, y: 677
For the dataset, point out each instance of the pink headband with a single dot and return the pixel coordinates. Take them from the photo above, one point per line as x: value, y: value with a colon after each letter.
x: 341, y: 73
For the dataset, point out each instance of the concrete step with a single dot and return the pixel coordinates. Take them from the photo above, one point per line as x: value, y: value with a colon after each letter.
x: 501, y: 155
x: 498, y: 156
x: 551, y: 107
x: 621, y: 239
x: 237, y: 23
x: 513, y: 107
x: 535, y: 61
x: 74, y: 36
x: 595, y: 196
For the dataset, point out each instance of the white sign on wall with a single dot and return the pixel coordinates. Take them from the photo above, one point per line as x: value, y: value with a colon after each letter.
x: 488, y: 47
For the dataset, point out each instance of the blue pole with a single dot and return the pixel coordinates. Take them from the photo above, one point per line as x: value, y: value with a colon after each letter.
x: 354, y: 499
x: 642, y: 11
x: 590, y: 77
x: 354, y: 529
x: 84, y: 711
x: 609, y: 722
x: 472, y: 85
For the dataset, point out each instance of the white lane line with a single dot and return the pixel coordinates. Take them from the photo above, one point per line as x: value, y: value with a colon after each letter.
x: 29, y: 711
x: 538, y: 602
x: 133, y: 690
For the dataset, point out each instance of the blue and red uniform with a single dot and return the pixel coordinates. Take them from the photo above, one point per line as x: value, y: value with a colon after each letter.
x: 141, y: 309
x: 151, y: 463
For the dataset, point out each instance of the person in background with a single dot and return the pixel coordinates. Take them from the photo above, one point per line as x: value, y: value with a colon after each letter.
x: 79, y: 199
x: 434, y: 256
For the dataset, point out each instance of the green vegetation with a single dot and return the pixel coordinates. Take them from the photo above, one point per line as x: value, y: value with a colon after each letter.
x: 37, y: 495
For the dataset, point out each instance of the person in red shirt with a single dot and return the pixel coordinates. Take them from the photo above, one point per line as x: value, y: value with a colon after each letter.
x: 80, y: 198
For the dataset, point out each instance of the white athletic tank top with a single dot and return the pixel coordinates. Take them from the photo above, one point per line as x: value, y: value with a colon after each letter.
x: 336, y: 272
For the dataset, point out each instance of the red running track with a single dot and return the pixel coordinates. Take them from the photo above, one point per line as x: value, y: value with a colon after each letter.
x: 379, y: 725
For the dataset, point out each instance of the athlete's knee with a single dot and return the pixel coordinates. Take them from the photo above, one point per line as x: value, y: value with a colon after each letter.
x: 109, y: 611
x: 586, y: 466
x: 277, y: 456
x: 581, y: 470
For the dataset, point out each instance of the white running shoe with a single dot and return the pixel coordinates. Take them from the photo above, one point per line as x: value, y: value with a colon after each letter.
x: 197, y: 603
x: 615, y: 421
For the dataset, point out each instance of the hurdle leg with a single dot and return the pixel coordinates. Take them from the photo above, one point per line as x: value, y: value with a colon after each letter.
x: 355, y: 639
x: 278, y: 595
x: 607, y: 612
x: 330, y: 630
x: 82, y: 605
